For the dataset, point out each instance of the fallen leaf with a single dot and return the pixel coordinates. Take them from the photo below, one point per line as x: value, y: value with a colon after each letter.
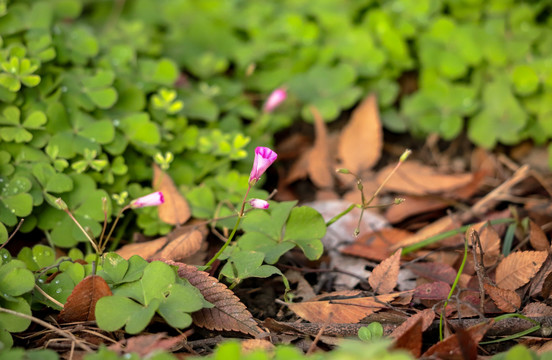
x: 537, y: 283
x: 340, y: 311
x: 432, y: 291
x: 518, y: 268
x: 175, y: 210
x: 490, y: 243
x: 81, y: 304
x: 384, y: 276
x: 228, y: 313
x: 361, y: 139
x: 449, y: 348
x: 181, y: 243
x: 250, y: 345
x: 426, y: 316
x: 547, y: 286
x: 411, y: 338
x: 304, y: 289
x: 537, y: 237
x: 435, y: 271
x: 506, y: 300
x: 319, y: 157
x: 415, y: 178
x: 445, y: 223
x: 376, y: 245
x: 537, y: 309
x: 145, y: 345
x: 414, y: 205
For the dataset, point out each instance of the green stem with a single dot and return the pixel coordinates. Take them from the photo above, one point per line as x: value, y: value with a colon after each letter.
x: 458, y: 274
x: 104, y: 243
x: 341, y: 214
x: 229, y: 240
x: 94, y: 245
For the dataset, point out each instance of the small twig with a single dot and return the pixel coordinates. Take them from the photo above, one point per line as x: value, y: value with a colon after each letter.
x: 312, y: 347
x: 13, y: 233
x: 65, y: 334
x: 48, y: 296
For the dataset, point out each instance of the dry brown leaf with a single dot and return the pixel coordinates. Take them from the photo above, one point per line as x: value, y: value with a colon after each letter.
x: 536, y: 309
x: 385, y: 275
x: 376, y: 245
x: 361, y: 140
x: 490, y: 243
x: 414, y: 205
x: 426, y: 316
x: 229, y: 313
x: 435, y: 271
x: 319, y: 157
x: 304, y: 289
x: 411, y: 338
x: 250, y: 345
x: 506, y: 300
x: 538, y: 238
x: 518, y: 268
x: 175, y: 210
x: 415, y: 178
x: 181, y: 243
x: 432, y: 291
x: 81, y: 304
x: 443, y: 224
x: 341, y: 311
x: 145, y: 345
x: 450, y: 348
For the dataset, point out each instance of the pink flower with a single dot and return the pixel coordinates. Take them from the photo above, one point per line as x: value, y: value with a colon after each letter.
x: 259, y: 204
x: 275, y: 99
x: 264, y: 157
x: 153, y: 199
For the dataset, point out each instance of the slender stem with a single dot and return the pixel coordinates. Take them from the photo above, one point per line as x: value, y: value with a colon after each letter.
x: 229, y: 240
x: 341, y: 214
x: 94, y: 245
x: 102, y: 246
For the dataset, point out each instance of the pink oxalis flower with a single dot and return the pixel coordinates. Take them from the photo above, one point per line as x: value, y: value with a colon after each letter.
x: 274, y: 100
x: 259, y: 204
x: 264, y: 157
x: 153, y: 199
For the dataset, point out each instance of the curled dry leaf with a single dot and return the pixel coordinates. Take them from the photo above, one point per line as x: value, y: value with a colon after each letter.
x: 537, y: 237
x: 181, y: 243
x: 411, y: 338
x: 175, y: 210
x: 384, y: 276
x: 228, y: 314
x: 415, y: 178
x: 361, y: 140
x: 506, y: 300
x: 450, y: 348
x: 490, y: 243
x: 81, y: 304
x: 341, y: 311
x: 319, y: 157
x: 518, y: 268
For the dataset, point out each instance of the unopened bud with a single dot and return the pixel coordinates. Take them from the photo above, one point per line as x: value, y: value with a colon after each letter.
x: 405, y: 155
x: 343, y: 171
x: 398, y: 201
x: 62, y: 205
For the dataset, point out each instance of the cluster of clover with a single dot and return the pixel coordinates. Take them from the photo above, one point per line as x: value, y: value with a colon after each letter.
x: 264, y: 157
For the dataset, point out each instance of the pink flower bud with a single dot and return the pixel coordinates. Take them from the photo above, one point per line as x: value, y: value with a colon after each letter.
x: 275, y: 99
x: 264, y: 157
x: 153, y: 199
x: 259, y: 204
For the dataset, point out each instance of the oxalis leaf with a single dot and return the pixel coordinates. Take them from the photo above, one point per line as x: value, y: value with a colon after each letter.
x: 228, y: 312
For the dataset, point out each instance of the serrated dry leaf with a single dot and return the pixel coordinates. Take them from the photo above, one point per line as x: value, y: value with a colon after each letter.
x: 426, y: 316
x: 319, y: 157
x: 450, y: 348
x: 384, y: 276
x: 341, y: 311
x: 175, y: 210
x: 506, y: 300
x: 361, y: 139
x: 81, y: 304
x: 181, y: 243
x: 537, y: 237
x: 518, y: 268
x: 415, y: 178
x: 229, y: 313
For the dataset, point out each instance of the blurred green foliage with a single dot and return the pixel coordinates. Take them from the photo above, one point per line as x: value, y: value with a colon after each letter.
x: 91, y: 91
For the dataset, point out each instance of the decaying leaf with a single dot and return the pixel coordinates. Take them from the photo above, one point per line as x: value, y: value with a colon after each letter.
x: 229, y: 313
x: 411, y: 338
x: 81, y: 304
x: 450, y: 348
x: 435, y: 271
x: 340, y: 311
x: 432, y: 291
x: 319, y: 157
x: 537, y: 237
x: 175, y: 210
x: 361, y: 140
x: 426, y: 316
x: 181, y: 243
x: 518, y: 268
x: 415, y: 178
x: 506, y: 300
x: 144, y: 345
x: 537, y: 309
x: 376, y: 245
x: 384, y: 276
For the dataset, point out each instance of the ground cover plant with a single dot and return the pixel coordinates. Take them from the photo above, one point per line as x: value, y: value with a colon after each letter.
x: 175, y: 174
